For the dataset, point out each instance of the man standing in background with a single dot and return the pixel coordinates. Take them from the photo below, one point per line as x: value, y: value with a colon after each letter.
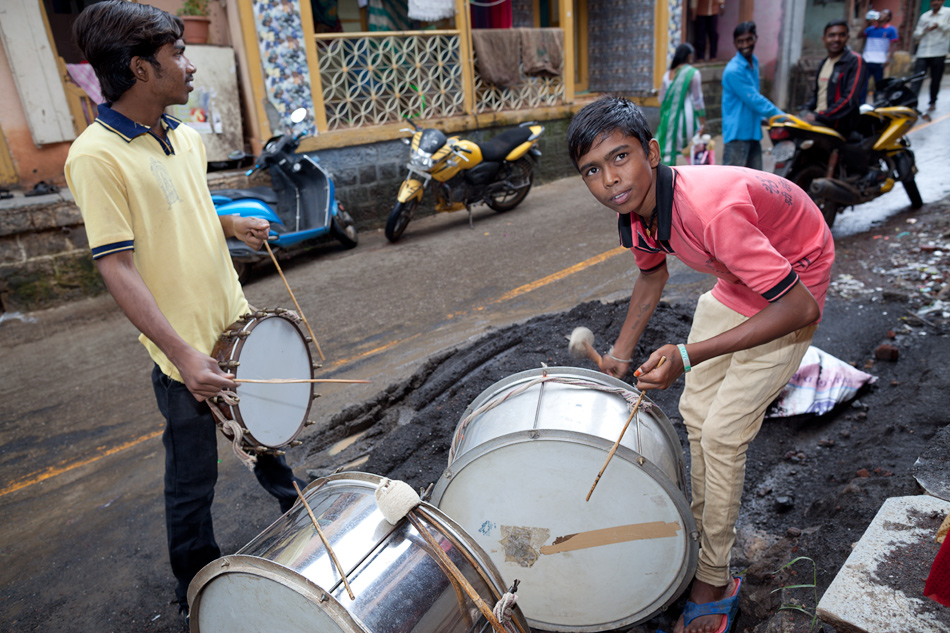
x: 933, y: 37
x: 706, y: 24
x: 877, y: 49
x: 743, y: 106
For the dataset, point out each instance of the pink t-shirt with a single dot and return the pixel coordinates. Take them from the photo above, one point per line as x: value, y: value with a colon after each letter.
x: 757, y: 232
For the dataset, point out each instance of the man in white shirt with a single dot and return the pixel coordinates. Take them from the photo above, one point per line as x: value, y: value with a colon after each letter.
x: 933, y: 35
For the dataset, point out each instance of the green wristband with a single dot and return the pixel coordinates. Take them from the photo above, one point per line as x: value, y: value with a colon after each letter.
x: 686, y: 365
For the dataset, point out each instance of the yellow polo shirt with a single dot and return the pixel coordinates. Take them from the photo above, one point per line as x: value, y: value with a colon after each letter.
x: 139, y: 193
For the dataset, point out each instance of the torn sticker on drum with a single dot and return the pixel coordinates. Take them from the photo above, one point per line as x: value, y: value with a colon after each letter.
x: 522, y: 544
x: 609, y: 536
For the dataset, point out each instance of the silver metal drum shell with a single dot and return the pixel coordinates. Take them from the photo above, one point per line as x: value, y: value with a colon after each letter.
x: 399, y: 586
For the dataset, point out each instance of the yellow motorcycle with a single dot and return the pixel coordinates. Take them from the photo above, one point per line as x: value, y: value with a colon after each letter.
x: 839, y: 172
x: 498, y: 172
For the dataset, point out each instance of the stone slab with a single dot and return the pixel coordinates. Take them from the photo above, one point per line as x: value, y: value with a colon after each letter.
x: 880, y: 587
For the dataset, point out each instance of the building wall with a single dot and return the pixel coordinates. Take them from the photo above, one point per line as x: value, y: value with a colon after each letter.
x: 32, y: 163
x: 621, y: 37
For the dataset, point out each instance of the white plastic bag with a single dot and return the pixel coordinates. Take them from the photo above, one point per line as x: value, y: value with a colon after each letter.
x: 821, y: 382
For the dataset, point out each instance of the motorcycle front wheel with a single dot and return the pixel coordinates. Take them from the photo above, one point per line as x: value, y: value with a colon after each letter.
x: 520, y: 171
x: 803, y: 177
x: 343, y: 228
x: 399, y: 219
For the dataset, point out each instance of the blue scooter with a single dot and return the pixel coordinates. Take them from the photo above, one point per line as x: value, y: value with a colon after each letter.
x: 301, y: 207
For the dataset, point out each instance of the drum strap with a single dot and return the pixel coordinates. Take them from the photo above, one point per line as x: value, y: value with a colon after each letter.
x: 503, y: 611
x: 232, y: 429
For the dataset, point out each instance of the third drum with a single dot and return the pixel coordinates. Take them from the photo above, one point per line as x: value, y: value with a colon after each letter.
x: 522, y: 461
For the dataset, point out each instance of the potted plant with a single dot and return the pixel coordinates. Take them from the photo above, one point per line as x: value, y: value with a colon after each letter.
x: 194, y: 13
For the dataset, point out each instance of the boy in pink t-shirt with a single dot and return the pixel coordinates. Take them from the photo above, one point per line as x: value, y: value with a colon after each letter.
x: 769, y: 246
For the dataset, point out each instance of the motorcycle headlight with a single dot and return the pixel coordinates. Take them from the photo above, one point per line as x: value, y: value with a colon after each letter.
x: 420, y: 159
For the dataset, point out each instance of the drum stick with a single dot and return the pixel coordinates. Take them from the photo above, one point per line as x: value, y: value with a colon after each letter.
x: 616, y: 445
x: 455, y: 573
x: 287, y: 381
x: 297, y: 305
x: 326, y: 543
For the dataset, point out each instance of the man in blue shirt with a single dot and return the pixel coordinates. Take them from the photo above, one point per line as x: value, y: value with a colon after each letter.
x: 743, y: 106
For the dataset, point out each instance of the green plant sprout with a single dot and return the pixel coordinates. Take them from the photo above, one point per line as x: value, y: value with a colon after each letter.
x: 814, y: 586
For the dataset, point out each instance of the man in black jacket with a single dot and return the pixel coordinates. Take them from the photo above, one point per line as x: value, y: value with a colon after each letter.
x: 836, y: 95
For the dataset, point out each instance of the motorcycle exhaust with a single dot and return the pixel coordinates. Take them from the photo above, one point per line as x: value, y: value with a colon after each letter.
x: 836, y: 191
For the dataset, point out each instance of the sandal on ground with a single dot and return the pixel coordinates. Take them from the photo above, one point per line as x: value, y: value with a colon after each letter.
x: 728, y: 607
x: 41, y: 189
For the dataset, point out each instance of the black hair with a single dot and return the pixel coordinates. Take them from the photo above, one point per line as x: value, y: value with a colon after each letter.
x: 681, y: 54
x: 839, y: 22
x: 602, y: 117
x: 111, y: 33
x: 743, y: 28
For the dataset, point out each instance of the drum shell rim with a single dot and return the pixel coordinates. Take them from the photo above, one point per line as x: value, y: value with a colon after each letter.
x: 692, y: 542
x: 275, y: 572
x: 226, y: 349
x: 526, y: 376
x: 433, y: 515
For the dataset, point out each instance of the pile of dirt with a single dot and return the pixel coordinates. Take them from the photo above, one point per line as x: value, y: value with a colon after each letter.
x: 813, y: 484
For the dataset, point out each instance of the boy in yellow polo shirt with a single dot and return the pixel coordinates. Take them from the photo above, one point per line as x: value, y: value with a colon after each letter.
x: 139, y: 178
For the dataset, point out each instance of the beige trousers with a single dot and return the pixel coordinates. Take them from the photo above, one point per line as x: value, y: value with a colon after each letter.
x: 723, y: 405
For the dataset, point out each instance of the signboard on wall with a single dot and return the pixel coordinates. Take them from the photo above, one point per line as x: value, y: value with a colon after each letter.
x: 214, y: 107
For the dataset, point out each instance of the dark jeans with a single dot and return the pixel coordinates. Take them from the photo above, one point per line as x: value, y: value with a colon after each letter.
x: 743, y: 154
x: 935, y: 66
x: 191, y: 471
x: 706, y: 26
x: 876, y: 71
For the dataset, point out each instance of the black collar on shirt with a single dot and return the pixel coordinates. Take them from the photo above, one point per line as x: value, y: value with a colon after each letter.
x: 665, y: 181
x: 128, y: 129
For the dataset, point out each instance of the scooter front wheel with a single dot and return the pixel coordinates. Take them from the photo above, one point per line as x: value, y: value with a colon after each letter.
x: 399, y: 219
x: 343, y: 229
x: 803, y: 177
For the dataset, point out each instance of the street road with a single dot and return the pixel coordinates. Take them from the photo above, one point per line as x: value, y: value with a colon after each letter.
x: 81, y: 462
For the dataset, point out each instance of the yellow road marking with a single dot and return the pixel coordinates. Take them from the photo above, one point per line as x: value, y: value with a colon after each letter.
x: 59, y: 470
x: 922, y: 126
x: 517, y: 292
x: 587, y: 263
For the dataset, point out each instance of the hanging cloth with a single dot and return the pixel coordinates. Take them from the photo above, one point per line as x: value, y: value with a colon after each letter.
x: 389, y: 15
x: 679, y: 119
x: 431, y: 10
x: 498, y: 56
x: 542, y: 51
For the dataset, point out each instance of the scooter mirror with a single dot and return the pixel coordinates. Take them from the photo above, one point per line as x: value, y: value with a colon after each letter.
x: 298, y: 115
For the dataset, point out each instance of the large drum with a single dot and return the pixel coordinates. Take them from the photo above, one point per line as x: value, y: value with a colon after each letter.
x: 285, y: 580
x: 267, y: 345
x: 522, y: 462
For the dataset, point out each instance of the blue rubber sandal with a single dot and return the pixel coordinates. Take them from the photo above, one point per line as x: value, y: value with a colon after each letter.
x: 727, y: 607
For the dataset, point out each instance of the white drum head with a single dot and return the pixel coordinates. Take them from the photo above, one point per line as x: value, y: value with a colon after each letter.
x: 246, y: 603
x: 584, y: 566
x: 274, y: 413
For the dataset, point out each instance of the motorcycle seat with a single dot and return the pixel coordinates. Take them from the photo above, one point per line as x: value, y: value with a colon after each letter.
x: 264, y: 194
x: 497, y: 148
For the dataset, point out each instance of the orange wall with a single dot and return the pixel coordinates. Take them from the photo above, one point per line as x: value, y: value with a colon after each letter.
x: 32, y: 163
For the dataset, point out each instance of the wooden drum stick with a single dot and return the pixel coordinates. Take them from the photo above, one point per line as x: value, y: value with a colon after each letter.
x: 297, y: 305
x: 287, y: 381
x: 326, y: 543
x: 616, y: 445
x: 456, y: 573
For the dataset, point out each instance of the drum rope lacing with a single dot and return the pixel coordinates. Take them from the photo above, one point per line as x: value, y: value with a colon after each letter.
x: 232, y: 429
x: 628, y: 395
x: 503, y: 609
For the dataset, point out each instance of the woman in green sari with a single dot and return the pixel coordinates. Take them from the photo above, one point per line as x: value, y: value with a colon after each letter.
x: 683, y: 111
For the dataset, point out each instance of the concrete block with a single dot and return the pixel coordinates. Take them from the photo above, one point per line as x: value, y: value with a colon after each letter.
x: 880, y: 587
x: 44, y: 243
